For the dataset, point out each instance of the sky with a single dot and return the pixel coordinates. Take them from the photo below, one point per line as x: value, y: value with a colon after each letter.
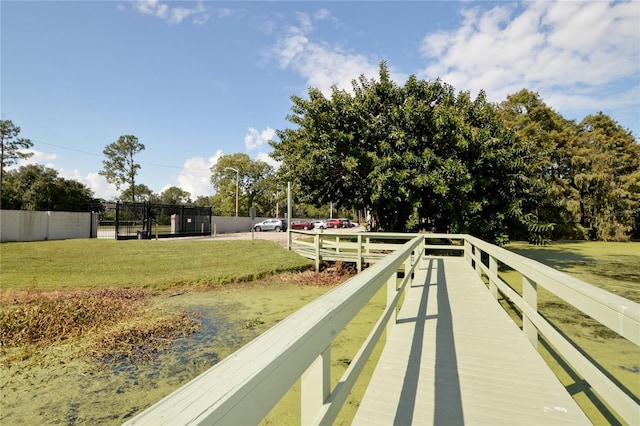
x: 196, y: 80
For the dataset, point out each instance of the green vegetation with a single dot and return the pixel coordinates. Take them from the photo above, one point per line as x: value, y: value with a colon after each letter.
x: 611, y: 266
x: 422, y: 156
x: 74, y: 264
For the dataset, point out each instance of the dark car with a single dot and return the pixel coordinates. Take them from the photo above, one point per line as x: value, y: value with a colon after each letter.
x: 302, y: 224
x: 346, y: 223
x: 333, y: 223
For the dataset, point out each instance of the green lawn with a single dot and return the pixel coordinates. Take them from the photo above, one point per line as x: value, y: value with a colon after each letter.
x: 614, y: 267
x: 93, y: 263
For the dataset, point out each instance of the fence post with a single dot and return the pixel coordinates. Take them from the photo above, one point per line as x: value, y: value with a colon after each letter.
x: 530, y: 296
x: 359, y: 261
x: 467, y: 251
x: 493, y: 268
x: 315, y: 386
x: 392, y: 288
x: 478, y: 260
x: 316, y: 242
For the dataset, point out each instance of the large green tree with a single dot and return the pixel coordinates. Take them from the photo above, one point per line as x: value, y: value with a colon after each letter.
x: 605, y: 177
x: 588, y: 173
x: 174, y: 196
x: 255, y: 185
x: 119, y: 167
x: 36, y: 187
x: 139, y: 194
x: 11, y: 148
x: 416, y: 156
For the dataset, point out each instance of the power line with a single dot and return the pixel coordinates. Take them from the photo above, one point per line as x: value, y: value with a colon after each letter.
x: 102, y: 156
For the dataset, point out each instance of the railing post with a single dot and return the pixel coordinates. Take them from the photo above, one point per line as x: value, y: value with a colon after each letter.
x: 478, y: 260
x: 467, y: 251
x: 493, y: 268
x: 392, y: 288
x: 359, y: 261
x: 337, y: 244
x: 316, y: 242
x: 315, y: 387
x: 368, y: 241
x: 530, y: 296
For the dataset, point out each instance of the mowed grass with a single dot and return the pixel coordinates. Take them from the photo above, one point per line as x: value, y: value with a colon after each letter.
x: 614, y: 267
x: 157, y: 264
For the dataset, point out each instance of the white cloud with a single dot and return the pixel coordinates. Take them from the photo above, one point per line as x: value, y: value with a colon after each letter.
x: 175, y: 14
x: 263, y: 156
x: 195, y: 176
x: 94, y: 181
x: 566, y: 51
x: 38, y: 157
x: 255, y: 139
x: 322, y: 65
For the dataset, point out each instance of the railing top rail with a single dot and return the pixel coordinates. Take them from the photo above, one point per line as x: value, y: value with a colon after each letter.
x: 268, y: 366
x: 562, y: 284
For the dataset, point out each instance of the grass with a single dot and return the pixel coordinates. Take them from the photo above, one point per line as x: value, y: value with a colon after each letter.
x: 93, y: 263
x: 610, y: 266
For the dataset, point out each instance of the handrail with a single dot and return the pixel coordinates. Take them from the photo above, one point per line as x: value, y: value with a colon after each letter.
x: 615, y: 312
x: 244, y: 387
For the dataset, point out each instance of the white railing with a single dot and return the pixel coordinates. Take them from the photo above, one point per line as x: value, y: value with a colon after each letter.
x: 617, y: 313
x: 245, y: 386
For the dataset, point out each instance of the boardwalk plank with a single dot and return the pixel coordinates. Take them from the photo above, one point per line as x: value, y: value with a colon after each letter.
x: 455, y: 357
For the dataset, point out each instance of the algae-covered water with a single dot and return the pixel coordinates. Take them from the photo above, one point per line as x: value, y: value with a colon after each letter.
x: 60, y: 386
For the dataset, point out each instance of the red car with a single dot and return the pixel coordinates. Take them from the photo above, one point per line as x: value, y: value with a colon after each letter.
x: 302, y: 224
x: 333, y: 223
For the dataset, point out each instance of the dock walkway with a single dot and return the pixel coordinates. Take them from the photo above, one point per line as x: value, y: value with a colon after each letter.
x: 455, y: 357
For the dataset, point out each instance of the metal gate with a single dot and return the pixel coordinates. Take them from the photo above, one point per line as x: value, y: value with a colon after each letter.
x: 125, y: 221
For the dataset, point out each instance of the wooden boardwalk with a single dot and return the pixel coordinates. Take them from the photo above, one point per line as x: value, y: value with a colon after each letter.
x: 455, y: 357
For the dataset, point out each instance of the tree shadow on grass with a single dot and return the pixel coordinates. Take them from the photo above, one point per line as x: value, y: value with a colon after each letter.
x: 559, y: 258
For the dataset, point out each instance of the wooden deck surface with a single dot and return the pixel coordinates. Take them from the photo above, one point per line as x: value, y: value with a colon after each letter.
x: 455, y: 357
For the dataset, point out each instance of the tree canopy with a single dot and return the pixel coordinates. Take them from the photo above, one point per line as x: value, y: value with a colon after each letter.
x: 590, y: 170
x: 36, y: 187
x: 11, y: 149
x: 423, y: 157
x: 417, y: 156
x: 255, y: 185
x: 119, y: 167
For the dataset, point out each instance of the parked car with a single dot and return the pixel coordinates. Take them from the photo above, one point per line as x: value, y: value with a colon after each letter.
x: 271, y: 225
x: 302, y: 224
x: 346, y: 223
x: 333, y: 223
x: 320, y: 224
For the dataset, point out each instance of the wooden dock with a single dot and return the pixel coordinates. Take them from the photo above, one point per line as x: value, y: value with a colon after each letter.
x: 455, y: 357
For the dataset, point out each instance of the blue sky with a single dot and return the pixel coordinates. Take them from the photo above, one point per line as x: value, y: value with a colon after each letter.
x: 197, y: 80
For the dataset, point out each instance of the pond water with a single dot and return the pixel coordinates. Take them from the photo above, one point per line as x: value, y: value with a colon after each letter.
x: 59, y: 386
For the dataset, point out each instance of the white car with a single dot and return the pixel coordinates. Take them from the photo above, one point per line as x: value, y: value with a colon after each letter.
x: 319, y: 224
x: 271, y: 225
